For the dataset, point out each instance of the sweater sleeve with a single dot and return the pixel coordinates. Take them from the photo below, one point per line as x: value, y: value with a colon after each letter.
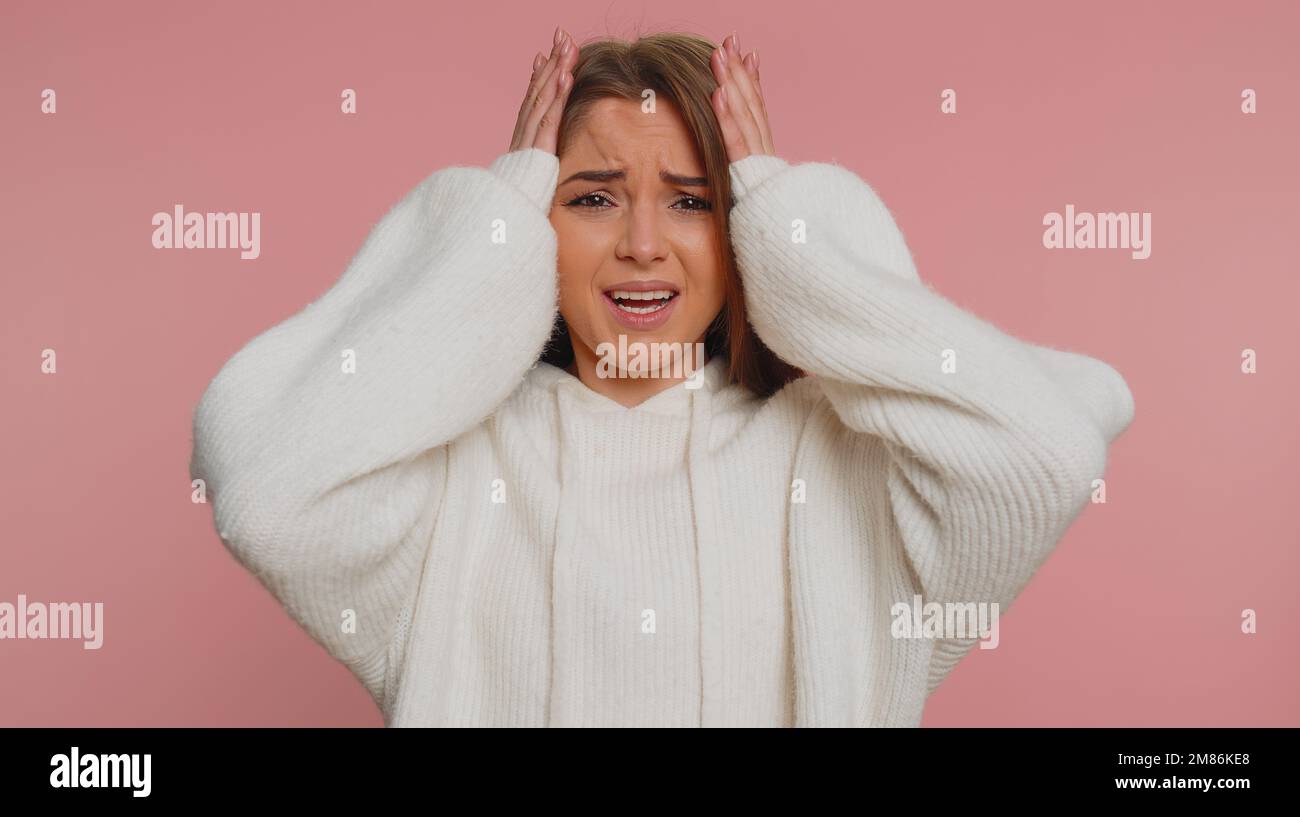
x: 322, y: 442
x: 993, y: 442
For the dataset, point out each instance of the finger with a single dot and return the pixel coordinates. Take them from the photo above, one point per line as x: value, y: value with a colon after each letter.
x: 534, y: 85
x: 547, y: 89
x: 546, y: 136
x: 538, y: 61
x: 734, y: 71
x: 744, y: 69
x: 744, y: 95
x: 732, y: 139
x: 735, y: 102
x: 528, y: 109
x: 548, y: 128
x: 764, y: 124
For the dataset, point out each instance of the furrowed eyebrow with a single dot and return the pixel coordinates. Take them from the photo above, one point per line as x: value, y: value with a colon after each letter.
x: 609, y: 175
x: 684, y: 181
x: 595, y: 175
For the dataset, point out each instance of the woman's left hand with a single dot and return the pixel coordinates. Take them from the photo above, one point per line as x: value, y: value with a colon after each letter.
x: 738, y: 102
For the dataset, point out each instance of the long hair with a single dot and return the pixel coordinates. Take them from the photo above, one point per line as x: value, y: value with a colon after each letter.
x: 676, y: 67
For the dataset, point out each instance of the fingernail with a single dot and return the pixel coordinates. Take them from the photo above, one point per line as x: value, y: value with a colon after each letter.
x: 735, y: 42
x: 723, y: 52
x: 538, y: 62
x: 566, y: 48
x: 756, y: 59
x: 558, y: 34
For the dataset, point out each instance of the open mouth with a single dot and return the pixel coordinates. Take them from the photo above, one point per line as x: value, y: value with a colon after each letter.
x: 641, y: 303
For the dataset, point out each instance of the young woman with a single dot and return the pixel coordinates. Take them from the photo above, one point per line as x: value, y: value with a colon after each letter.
x: 458, y: 493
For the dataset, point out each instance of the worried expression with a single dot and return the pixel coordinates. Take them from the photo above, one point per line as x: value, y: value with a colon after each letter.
x: 634, y: 218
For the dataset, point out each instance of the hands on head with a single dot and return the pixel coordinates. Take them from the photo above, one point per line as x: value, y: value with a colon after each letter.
x: 737, y: 101
x: 538, y: 124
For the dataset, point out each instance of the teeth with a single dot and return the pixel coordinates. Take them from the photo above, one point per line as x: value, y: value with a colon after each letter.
x: 640, y: 310
x: 653, y: 295
x: 655, y: 300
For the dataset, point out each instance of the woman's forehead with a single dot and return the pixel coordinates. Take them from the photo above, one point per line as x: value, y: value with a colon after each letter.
x: 619, y: 134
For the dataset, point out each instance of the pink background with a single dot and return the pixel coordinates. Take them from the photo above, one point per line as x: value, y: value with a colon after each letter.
x: 1135, y: 620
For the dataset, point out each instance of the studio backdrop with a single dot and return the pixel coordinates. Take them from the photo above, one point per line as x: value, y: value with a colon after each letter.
x: 1115, y: 179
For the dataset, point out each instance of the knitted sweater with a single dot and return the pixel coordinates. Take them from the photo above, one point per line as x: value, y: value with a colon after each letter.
x: 483, y: 540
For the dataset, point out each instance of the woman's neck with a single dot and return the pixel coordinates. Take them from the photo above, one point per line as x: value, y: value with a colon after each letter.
x: 612, y: 381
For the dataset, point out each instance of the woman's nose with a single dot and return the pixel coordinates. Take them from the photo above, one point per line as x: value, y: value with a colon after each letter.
x: 643, y: 239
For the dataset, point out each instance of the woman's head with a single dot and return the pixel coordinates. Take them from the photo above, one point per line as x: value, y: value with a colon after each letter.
x: 641, y: 210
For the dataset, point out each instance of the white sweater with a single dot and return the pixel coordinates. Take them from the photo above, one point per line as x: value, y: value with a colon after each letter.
x: 483, y: 540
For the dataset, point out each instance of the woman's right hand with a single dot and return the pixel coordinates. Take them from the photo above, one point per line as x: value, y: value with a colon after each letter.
x: 538, y: 125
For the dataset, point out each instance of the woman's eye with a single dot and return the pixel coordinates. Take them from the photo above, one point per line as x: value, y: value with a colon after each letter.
x: 694, y: 203
x: 600, y: 200
x: 590, y: 200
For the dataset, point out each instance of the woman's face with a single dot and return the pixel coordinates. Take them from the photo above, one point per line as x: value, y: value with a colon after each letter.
x: 633, y: 214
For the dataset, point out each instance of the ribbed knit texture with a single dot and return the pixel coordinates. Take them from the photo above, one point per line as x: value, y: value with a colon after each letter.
x: 376, y: 493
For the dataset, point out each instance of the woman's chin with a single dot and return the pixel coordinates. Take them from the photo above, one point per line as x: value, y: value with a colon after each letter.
x: 663, y: 354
